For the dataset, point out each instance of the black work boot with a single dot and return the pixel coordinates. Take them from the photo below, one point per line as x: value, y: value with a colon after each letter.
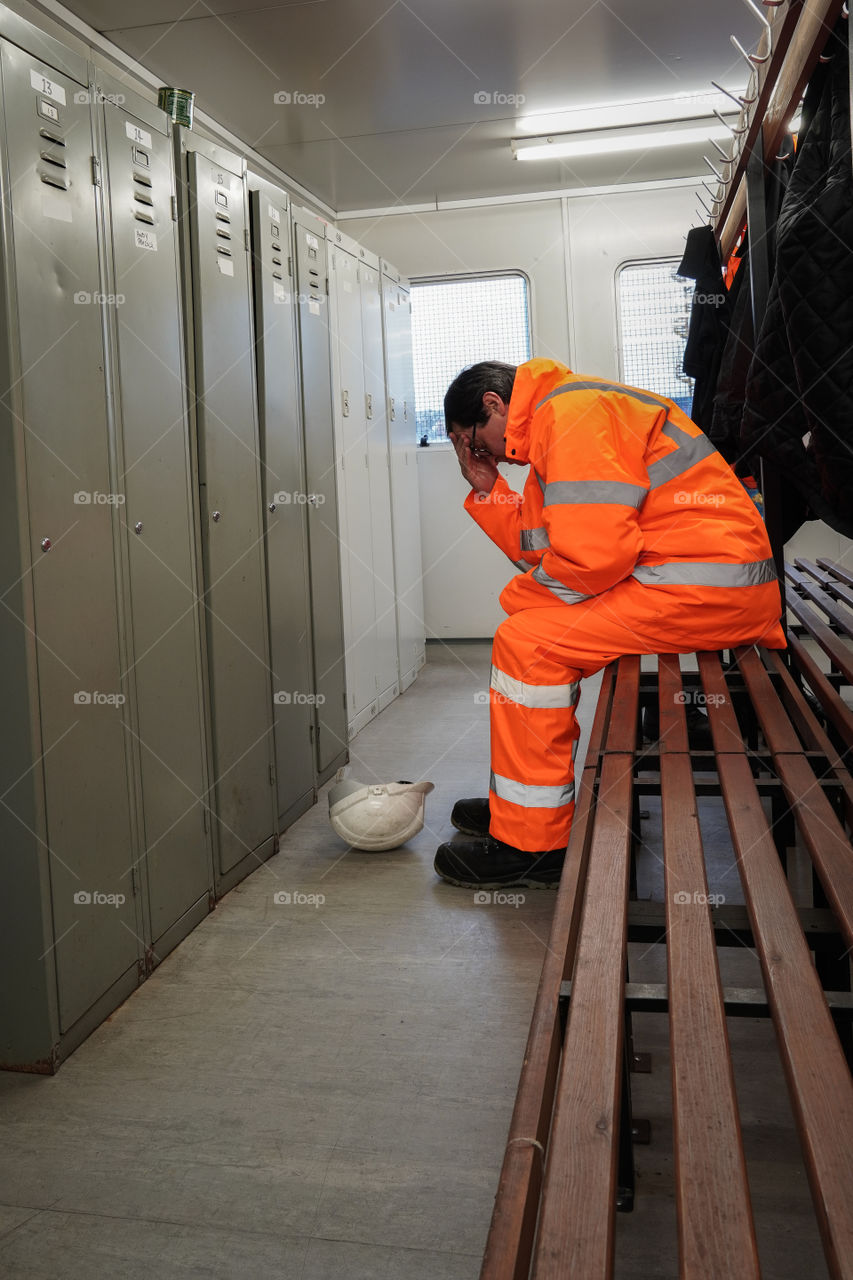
x: 471, y: 817
x: 491, y: 864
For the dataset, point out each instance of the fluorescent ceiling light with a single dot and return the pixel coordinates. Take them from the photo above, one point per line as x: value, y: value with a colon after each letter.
x: 614, y: 115
x: 564, y: 147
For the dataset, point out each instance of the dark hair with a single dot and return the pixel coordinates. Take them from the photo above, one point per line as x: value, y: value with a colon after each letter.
x: 463, y: 400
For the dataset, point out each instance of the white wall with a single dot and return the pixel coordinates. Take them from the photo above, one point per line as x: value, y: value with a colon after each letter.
x: 573, y: 317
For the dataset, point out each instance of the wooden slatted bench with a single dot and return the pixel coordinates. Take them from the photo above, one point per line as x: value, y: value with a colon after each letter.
x: 780, y: 762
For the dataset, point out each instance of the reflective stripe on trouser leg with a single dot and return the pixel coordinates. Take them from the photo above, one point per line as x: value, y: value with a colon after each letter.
x: 534, y: 740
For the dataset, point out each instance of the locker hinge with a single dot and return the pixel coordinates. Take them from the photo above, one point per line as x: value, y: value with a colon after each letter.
x: 272, y: 775
x: 289, y: 265
x: 96, y: 171
x: 311, y: 734
x: 204, y: 818
x: 327, y: 286
x: 391, y: 410
x: 174, y: 208
x: 345, y: 402
x: 368, y: 405
x: 246, y: 239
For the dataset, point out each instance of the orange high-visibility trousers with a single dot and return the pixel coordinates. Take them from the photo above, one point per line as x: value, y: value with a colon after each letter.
x: 540, y: 656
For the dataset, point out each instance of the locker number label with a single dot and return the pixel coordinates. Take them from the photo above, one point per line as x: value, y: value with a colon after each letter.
x: 136, y: 134
x: 145, y: 239
x: 49, y: 88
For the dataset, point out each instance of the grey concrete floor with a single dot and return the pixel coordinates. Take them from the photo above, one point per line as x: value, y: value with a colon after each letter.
x: 318, y: 1091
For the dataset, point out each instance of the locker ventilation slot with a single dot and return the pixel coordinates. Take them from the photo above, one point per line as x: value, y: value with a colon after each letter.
x: 276, y: 247
x: 223, y: 217
x: 142, y: 179
x: 143, y: 217
x: 220, y: 248
x: 142, y: 198
x: 52, y: 137
x: 54, y: 180
x: 59, y: 161
x: 226, y: 235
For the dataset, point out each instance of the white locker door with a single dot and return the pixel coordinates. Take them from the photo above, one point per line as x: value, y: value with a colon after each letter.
x: 385, y: 655
x: 354, y: 488
x: 408, y: 572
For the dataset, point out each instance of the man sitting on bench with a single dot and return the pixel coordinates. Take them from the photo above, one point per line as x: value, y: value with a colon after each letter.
x: 633, y: 535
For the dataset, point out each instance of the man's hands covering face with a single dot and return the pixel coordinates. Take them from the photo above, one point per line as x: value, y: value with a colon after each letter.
x: 479, y: 469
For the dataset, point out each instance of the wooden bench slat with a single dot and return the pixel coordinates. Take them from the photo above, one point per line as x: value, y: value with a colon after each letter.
x: 510, y: 1241
x: 818, y: 1077
x: 577, y: 1218
x: 836, y: 613
x: 837, y: 570
x: 832, y: 645
x: 715, y: 1225
x: 807, y: 724
x: 825, y: 579
x: 817, y: 821
x: 836, y: 710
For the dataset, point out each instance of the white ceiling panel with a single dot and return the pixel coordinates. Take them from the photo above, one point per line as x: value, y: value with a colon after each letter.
x: 394, y: 91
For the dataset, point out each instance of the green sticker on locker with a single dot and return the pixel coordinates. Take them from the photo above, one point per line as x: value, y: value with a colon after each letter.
x: 178, y: 105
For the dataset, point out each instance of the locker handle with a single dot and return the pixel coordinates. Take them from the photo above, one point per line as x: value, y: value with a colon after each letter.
x: 59, y: 161
x: 52, y: 137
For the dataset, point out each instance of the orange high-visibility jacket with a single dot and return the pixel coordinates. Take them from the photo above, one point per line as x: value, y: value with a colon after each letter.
x: 622, y: 484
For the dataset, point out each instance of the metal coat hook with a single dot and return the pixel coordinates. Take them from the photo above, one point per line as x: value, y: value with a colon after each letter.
x: 786, y: 156
x: 726, y: 157
x: 829, y: 59
x: 715, y: 199
x: 754, y: 9
x: 731, y: 128
x: 704, y: 206
x: 845, y: 11
x: 715, y: 170
x: 754, y: 59
x: 741, y: 102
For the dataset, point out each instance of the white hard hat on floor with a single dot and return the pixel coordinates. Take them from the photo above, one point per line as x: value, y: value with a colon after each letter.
x: 377, y: 816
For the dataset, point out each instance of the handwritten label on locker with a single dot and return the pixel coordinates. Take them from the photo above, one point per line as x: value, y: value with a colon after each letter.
x: 226, y: 266
x: 144, y: 239
x: 312, y: 242
x: 49, y: 88
x: 273, y: 214
x: 136, y: 134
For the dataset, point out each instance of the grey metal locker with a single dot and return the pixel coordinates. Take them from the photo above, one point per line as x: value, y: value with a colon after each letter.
x: 408, y: 571
x: 285, y: 499
x: 354, y: 497
x: 386, y: 659
x: 220, y: 338
x: 328, y: 645
x: 70, y: 932
x: 157, y: 514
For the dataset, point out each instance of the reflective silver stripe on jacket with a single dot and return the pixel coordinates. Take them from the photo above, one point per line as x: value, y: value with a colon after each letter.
x: 561, y: 492
x: 562, y: 592
x: 535, y: 539
x: 642, y: 396
x: 701, y: 573
x: 533, y: 695
x: 530, y: 797
x: 689, y: 450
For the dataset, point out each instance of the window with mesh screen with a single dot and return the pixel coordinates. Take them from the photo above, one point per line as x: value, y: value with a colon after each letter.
x: 460, y: 322
x: 654, y: 312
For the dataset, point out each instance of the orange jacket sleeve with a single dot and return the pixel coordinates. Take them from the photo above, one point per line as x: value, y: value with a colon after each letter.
x: 589, y: 454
